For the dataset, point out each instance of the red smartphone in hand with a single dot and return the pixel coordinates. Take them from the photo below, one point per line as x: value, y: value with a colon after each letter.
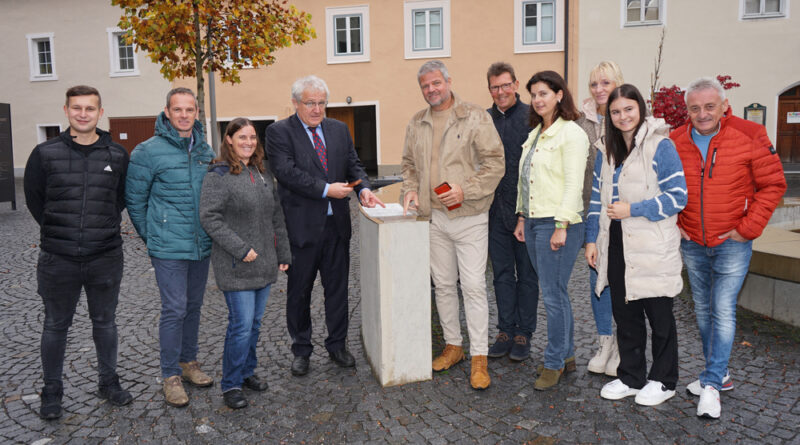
x: 445, y: 187
x: 354, y: 183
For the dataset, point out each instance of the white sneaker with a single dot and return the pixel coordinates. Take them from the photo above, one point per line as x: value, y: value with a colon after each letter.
x: 597, y: 365
x: 695, y: 388
x: 616, y: 390
x: 654, y: 393
x: 709, y: 405
x: 613, y: 360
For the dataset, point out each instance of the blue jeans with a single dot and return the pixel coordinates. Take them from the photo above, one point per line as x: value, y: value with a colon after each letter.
x: 516, y: 286
x: 601, y: 307
x: 245, y: 309
x: 716, y: 275
x: 182, y: 284
x: 554, y: 269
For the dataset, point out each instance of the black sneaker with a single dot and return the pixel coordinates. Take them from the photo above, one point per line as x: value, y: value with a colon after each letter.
x: 51, y: 403
x: 114, y: 393
x: 501, y: 347
x: 521, y: 349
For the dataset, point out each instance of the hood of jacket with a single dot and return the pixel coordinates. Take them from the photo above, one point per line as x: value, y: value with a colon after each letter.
x: 652, y: 126
x: 589, y: 109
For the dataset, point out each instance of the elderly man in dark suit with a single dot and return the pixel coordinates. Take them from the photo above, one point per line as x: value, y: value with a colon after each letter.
x: 316, y: 166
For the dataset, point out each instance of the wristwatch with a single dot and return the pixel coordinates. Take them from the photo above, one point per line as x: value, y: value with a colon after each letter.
x: 561, y: 224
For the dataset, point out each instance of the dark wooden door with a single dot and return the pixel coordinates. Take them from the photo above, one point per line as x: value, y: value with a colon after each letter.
x: 344, y: 114
x: 788, y: 137
x: 130, y: 131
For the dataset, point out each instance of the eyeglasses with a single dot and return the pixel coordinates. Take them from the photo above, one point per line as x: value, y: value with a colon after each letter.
x: 506, y: 87
x: 311, y: 105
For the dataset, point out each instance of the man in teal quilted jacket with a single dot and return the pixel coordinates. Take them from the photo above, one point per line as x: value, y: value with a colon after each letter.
x: 162, y: 193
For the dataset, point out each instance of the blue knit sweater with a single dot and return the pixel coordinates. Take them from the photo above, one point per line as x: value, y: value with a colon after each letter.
x: 671, y: 182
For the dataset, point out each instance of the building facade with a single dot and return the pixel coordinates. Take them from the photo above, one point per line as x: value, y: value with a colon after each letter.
x: 369, y: 52
x: 756, y: 42
x: 51, y: 45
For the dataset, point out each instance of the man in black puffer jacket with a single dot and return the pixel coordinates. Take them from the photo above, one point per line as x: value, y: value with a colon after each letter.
x: 75, y: 189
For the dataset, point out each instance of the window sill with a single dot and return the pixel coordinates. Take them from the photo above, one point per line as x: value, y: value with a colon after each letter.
x: 43, y: 78
x: 764, y: 16
x: 131, y: 73
x: 648, y: 23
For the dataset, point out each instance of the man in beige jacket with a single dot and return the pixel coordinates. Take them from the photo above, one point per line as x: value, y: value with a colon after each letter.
x: 452, y: 162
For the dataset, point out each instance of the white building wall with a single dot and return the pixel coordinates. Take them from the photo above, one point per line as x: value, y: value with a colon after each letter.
x: 81, y: 52
x: 703, y: 38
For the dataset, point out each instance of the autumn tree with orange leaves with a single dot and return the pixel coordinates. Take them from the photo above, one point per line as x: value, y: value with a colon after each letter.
x: 190, y: 37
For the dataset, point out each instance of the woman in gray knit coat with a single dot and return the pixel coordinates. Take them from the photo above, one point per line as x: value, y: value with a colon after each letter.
x: 240, y: 211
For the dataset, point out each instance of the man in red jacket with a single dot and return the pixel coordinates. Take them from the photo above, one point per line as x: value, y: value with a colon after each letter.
x: 735, y: 180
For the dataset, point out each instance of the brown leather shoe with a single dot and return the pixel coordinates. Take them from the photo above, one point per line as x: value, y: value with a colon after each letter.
x: 479, y: 375
x: 193, y: 374
x: 548, y: 379
x: 174, y: 394
x: 450, y: 356
x: 569, y: 366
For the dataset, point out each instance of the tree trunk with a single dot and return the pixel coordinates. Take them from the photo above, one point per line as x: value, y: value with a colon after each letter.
x: 198, y: 60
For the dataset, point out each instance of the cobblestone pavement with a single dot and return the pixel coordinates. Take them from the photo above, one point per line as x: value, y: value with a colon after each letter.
x: 334, y: 405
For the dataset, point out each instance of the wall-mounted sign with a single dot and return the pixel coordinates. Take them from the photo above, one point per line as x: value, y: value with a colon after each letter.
x: 793, y: 117
x: 756, y: 113
x: 7, y: 191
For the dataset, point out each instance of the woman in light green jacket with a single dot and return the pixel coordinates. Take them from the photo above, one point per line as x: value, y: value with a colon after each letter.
x: 550, y: 205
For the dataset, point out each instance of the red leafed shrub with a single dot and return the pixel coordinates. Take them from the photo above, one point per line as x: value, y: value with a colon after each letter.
x: 668, y: 102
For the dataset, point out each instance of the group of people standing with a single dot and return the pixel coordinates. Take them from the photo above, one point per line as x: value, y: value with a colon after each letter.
x: 193, y: 210
x: 552, y: 179
x: 526, y: 186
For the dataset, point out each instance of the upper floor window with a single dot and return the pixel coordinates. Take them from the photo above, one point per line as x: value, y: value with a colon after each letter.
x: 643, y: 12
x: 121, y: 53
x: 538, y: 22
x: 41, y: 56
x: 538, y: 25
x: 757, y: 9
x: 348, y: 34
x: 427, y: 28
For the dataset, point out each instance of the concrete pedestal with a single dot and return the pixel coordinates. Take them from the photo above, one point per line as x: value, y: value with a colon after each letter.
x: 396, y: 299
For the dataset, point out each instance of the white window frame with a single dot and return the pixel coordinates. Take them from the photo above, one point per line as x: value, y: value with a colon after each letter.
x: 113, y: 55
x: 41, y: 136
x: 409, y: 7
x: 330, y: 16
x: 33, y: 56
x: 538, y: 47
x: 662, y: 14
x: 783, y: 13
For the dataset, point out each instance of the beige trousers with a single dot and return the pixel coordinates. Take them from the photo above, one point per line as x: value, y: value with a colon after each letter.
x: 459, y: 248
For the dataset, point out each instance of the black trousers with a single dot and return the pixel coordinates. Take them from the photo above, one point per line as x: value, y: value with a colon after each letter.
x: 60, y: 280
x: 631, y: 328
x: 331, y: 257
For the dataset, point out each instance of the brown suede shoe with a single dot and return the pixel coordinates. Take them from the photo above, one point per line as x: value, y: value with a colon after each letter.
x: 450, y: 356
x: 569, y: 366
x: 548, y: 379
x: 479, y: 375
x: 193, y: 374
x: 174, y: 394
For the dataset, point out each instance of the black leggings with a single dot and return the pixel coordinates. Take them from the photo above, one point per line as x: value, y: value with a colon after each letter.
x: 631, y: 329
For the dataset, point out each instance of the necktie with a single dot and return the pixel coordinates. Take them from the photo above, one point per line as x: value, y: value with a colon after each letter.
x: 320, y: 148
